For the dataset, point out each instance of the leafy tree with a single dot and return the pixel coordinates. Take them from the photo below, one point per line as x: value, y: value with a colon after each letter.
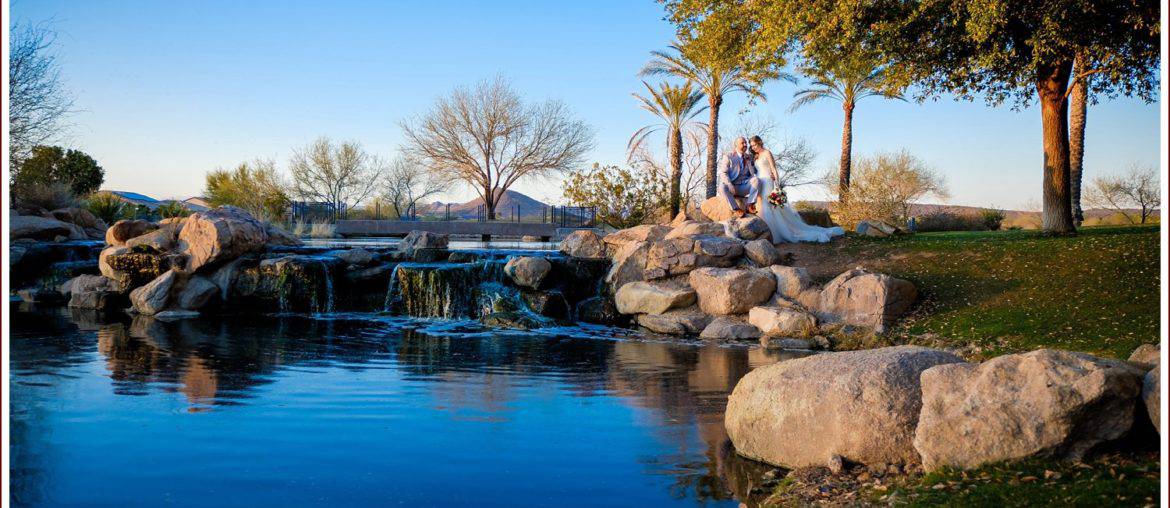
x: 342, y: 174
x: 254, y: 186
x: 999, y: 50
x: 715, y: 59
x: 845, y: 79
x: 53, y: 164
x: 489, y: 138
x: 676, y: 106
x: 624, y: 197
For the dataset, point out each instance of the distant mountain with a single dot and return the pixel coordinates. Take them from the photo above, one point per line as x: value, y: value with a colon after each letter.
x: 511, y: 202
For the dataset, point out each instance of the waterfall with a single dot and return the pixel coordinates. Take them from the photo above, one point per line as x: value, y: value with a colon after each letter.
x: 440, y: 290
x: 390, y: 294
x: 328, y: 288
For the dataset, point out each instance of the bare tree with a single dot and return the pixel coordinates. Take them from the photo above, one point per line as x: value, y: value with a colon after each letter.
x: 407, y: 182
x: 38, y: 100
x: 1135, y: 190
x: 487, y: 137
x: 343, y: 174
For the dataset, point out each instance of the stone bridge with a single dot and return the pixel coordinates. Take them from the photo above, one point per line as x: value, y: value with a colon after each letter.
x: 485, y: 230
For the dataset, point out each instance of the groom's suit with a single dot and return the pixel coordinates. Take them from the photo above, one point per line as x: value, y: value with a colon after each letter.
x: 737, y: 179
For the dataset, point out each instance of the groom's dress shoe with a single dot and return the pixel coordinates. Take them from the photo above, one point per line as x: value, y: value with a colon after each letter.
x: 751, y: 209
x: 740, y: 213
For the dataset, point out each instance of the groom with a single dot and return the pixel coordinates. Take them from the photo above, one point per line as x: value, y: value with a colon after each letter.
x: 737, y: 179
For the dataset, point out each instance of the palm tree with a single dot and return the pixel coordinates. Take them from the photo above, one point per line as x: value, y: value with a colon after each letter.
x: 1078, y: 106
x: 847, y: 81
x: 716, y: 81
x: 677, y: 106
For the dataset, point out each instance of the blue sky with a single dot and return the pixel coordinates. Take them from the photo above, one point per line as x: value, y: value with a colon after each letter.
x: 170, y: 90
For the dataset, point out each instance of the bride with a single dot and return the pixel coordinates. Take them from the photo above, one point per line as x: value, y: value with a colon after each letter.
x: 785, y: 223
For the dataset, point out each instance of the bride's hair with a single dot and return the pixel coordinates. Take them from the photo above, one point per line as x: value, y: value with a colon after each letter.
x: 756, y: 140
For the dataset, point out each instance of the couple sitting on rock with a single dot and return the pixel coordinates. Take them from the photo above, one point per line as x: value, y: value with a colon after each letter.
x: 739, y: 179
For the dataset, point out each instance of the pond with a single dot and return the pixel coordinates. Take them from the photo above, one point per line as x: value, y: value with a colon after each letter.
x: 383, y: 241
x: 363, y: 409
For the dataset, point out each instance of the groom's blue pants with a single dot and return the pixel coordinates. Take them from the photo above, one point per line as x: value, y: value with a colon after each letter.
x: 749, y: 191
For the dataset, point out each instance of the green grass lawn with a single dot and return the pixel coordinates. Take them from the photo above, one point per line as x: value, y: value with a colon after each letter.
x: 1010, y: 291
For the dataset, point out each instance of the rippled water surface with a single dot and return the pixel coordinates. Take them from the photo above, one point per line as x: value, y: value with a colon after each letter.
x: 361, y: 410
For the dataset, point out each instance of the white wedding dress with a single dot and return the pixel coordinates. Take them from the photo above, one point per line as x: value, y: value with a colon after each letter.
x: 785, y: 222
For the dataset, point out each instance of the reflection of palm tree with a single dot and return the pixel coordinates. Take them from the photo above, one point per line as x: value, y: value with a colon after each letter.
x: 846, y: 81
x: 677, y: 106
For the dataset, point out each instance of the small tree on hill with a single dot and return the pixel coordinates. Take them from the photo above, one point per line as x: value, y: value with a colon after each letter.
x: 1136, y: 189
x: 342, y: 175
x: 55, y: 165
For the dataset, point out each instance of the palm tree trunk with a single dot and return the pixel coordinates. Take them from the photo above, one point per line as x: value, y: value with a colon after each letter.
x: 1052, y: 84
x: 846, y: 154
x: 675, y: 149
x: 1078, y: 102
x: 713, y: 144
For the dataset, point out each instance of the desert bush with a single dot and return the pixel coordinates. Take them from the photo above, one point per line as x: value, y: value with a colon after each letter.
x: 985, y: 220
x: 106, y: 207
x: 624, y: 197
x: 992, y: 219
x: 31, y: 196
x: 254, y: 186
x: 172, y: 209
x: 299, y: 228
x: 884, y: 187
x: 322, y: 230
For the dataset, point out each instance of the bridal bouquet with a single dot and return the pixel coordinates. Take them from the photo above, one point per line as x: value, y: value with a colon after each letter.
x: 778, y: 197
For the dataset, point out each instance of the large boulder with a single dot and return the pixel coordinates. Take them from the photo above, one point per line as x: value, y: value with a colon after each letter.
x: 85, y: 282
x: 1146, y: 356
x: 1044, y: 403
x: 123, y: 230
x: 860, y: 405
x: 159, y: 240
x: 748, y: 228
x: 876, y: 229
x: 527, y: 271
x: 782, y: 322
x: 278, y: 237
x: 861, y: 298
x: 730, y: 328
x: 598, y: 310
x: 153, y: 297
x: 692, y: 228
x: 688, y: 321
x: 219, y: 235
x: 419, y: 240
x: 356, y: 256
x: 679, y: 256
x: 41, y: 228
x: 762, y: 252
x: 196, y: 293
x: 791, y: 281
x: 80, y: 217
x: 644, y: 233
x: 715, y: 209
x: 584, y: 244
x: 629, y: 263
x: 1152, y: 395
x: 652, y: 298
x: 131, y: 269
x: 731, y: 291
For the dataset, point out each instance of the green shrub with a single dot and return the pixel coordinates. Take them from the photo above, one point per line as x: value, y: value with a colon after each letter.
x: 172, y: 209
x: 992, y: 219
x: 106, y: 207
x: 949, y: 221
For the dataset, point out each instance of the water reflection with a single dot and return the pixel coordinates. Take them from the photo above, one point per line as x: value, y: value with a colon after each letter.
x: 524, y: 415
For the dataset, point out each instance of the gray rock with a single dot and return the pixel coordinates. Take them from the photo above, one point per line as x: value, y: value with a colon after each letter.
x: 1044, y: 403
x: 598, y: 310
x: 731, y: 291
x: 196, y: 293
x: 220, y: 235
x: 679, y: 256
x: 652, y: 298
x: 1152, y: 396
x: 748, y: 228
x: 124, y: 230
x: 792, y: 281
x: 41, y: 228
x: 692, y: 228
x: 153, y: 297
x: 761, y: 252
x: 875, y: 228
x: 225, y: 276
x: 783, y: 322
x: 787, y: 343
x: 629, y: 263
x: 356, y: 256
x: 1146, y: 356
x: 527, y: 271
x: 422, y: 240
x: 862, y: 298
x: 160, y: 240
x: 730, y: 328
x: 861, y: 405
x: 584, y: 244
x: 687, y: 321
x: 644, y: 233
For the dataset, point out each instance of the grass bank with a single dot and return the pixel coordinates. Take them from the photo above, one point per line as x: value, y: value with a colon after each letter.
x: 1010, y: 291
